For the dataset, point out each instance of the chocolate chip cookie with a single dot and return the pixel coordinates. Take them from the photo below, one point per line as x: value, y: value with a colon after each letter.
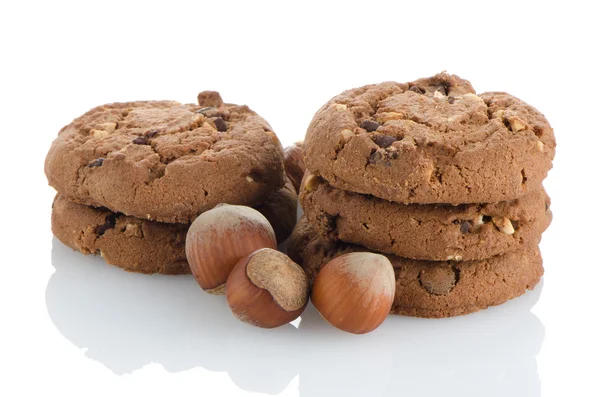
x: 164, y: 161
x: 425, y: 231
x: 433, y: 289
x: 432, y: 140
x: 145, y: 246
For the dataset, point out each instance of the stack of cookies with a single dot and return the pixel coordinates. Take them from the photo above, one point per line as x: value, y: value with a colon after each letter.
x: 445, y: 182
x: 131, y: 177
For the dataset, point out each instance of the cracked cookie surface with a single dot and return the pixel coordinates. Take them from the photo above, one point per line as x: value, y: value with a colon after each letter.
x: 144, y: 246
x: 430, y: 141
x: 165, y: 161
x: 425, y: 231
x: 433, y: 289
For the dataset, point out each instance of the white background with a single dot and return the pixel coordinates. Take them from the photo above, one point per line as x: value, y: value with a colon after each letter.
x: 72, y: 326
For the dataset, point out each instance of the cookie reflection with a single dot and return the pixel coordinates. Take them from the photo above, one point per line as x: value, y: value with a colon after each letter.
x: 126, y: 321
x: 492, y: 352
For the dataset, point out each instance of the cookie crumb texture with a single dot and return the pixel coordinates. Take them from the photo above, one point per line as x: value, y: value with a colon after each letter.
x: 433, y: 289
x: 425, y: 231
x: 164, y: 161
x: 143, y: 246
x: 430, y: 141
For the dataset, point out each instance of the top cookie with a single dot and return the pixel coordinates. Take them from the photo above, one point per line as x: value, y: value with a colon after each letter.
x: 430, y: 141
x: 165, y: 161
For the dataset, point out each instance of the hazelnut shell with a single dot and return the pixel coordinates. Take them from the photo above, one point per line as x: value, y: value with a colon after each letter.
x: 354, y: 292
x: 218, y: 238
x: 267, y: 289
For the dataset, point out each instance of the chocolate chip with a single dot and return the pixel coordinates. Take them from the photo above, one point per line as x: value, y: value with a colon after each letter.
x: 547, y: 205
x: 486, y: 219
x: 383, y: 157
x: 109, y: 223
x: 383, y: 140
x: 523, y: 177
x: 328, y: 220
x: 416, y: 89
x: 450, y: 100
x: 442, y: 89
x: 466, y: 227
x: 151, y: 134
x: 369, y: 125
x: 376, y: 158
x: 140, y: 140
x: 439, y: 280
x: 96, y: 163
x: 514, y: 224
x: 220, y: 124
x: 204, y: 110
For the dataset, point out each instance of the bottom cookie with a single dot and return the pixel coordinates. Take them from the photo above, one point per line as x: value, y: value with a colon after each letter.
x: 145, y: 246
x: 433, y: 289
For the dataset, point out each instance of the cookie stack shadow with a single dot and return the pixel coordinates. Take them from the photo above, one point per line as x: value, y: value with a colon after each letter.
x: 131, y: 177
x: 444, y: 182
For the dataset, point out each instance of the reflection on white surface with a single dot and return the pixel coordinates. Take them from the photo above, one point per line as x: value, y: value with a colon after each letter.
x: 126, y: 321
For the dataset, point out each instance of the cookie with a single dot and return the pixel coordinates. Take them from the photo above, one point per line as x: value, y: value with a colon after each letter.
x: 281, y: 209
x: 294, y: 163
x: 430, y: 141
x: 433, y: 289
x: 166, y: 161
x: 425, y: 231
x: 145, y: 246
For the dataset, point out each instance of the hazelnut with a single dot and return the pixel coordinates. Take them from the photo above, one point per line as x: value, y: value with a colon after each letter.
x: 354, y: 292
x: 219, y: 238
x: 294, y: 163
x: 267, y: 289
